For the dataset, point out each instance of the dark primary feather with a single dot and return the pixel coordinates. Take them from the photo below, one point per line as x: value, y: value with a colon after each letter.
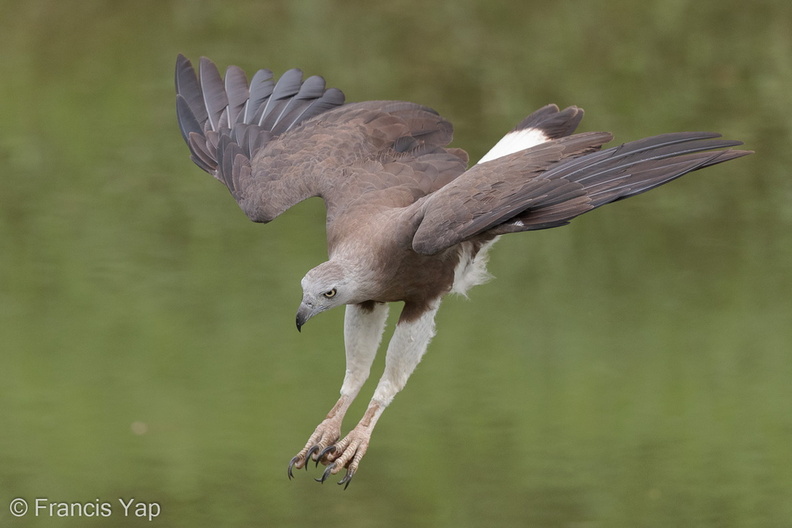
x: 621, y: 172
x: 638, y: 166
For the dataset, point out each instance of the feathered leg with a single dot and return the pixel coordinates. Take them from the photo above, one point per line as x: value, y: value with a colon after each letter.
x: 406, y: 348
x: 363, y: 327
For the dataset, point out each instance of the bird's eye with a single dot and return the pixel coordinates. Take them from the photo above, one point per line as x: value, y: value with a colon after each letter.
x: 330, y: 294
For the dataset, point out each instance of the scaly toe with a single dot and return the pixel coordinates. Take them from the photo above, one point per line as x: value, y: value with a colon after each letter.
x: 329, y: 450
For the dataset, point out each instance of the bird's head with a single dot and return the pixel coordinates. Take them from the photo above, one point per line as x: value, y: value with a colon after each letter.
x: 326, y: 286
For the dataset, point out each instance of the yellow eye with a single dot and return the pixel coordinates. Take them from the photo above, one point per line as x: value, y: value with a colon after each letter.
x: 330, y: 294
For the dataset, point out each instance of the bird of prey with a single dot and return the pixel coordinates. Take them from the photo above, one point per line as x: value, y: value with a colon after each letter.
x: 407, y: 219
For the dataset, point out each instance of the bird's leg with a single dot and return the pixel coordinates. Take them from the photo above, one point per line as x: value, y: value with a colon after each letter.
x: 363, y: 327
x: 407, y: 346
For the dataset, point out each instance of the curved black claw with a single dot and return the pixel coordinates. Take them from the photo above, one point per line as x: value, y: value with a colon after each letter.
x: 326, y: 473
x: 310, y: 452
x: 325, y: 451
x: 291, y: 465
x: 347, y: 478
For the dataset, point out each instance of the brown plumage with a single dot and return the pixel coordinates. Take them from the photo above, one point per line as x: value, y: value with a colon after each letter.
x: 406, y: 219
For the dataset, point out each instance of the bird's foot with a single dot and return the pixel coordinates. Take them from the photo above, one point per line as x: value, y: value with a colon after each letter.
x: 326, y: 434
x: 345, y: 453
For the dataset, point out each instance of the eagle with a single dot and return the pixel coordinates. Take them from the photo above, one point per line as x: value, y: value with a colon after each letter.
x: 407, y: 219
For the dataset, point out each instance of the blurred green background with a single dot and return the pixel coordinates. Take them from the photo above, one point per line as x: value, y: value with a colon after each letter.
x: 632, y: 369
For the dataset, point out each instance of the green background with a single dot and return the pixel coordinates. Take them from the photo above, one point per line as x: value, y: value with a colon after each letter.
x: 632, y: 369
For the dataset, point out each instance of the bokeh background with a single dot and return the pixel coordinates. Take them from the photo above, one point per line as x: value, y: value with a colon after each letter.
x: 632, y: 369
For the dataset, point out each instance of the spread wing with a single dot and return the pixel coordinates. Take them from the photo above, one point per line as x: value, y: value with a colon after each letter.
x: 274, y: 144
x: 551, y: 183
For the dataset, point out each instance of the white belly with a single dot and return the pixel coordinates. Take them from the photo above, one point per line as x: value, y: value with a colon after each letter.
x: 471, y: 269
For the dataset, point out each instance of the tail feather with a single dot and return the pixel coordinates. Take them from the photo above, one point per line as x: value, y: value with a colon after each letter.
x: 552, y: 122
x: 543, y: 125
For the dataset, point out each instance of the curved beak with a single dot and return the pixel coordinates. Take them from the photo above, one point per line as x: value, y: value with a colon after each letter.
x: 305, y: 312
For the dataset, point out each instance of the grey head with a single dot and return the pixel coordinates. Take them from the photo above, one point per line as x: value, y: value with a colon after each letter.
x: 326, y: 286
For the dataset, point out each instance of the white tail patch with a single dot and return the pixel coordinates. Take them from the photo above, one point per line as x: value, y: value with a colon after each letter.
x: 515, y: 141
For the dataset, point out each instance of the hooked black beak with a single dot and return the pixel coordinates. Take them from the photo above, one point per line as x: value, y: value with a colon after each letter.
x: 303, y: 314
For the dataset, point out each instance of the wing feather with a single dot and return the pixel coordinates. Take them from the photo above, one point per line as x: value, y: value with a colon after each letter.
x: 274, y: 144
x: 214, y: 95
x: 189, y: 89
x: 285, y: 89
x: 312, y: 89
x: 547, y: 186
x: 256, y: 140
x: 236, y: 88
x: 260, y: 89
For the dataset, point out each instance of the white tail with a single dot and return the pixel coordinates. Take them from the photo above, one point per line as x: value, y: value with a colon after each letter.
x: 515, y: 141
